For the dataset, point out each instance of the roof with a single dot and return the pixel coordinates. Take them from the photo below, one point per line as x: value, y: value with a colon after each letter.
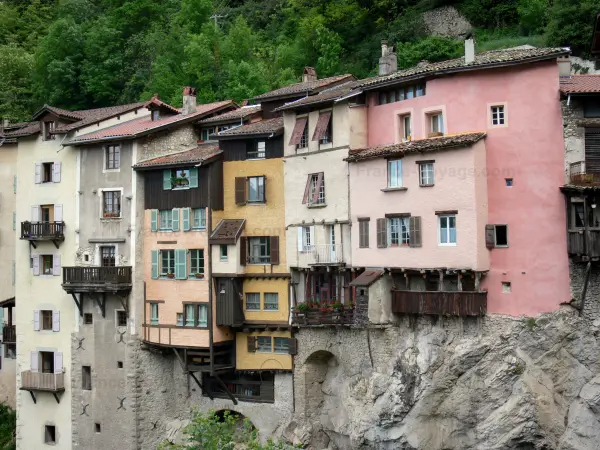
x: 197, y: 155
x: 269, y: 126
x: 485, y: 60
x: 239, y: 113
x: 139, y: 127
x: 416, y: 146
x: 580, y: 84
x: 7, y: 303
x: 325, y: 96
x: 367, y: 278
x: 305, y: 87
x: 227, y: 231
x: 30, y: 128
x: 90, y: 116
x: 65, y: 113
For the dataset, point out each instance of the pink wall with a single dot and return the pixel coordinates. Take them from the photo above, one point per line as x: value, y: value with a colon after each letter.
x: 529, y: 150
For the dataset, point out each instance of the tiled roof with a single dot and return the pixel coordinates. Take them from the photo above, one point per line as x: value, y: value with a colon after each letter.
x: 263, y: 127
x: 492, y: 58
x: 305, y: 87
x: 197, y: 155
x: 30, y: 128
x: 90, y: 116
x: 137, y: 127
x: 239, y: 113
x: 416, y: 146
x: 580, y: 84
x: 74, y: 115
x: 15, y: 125
x: 327, y: 95
x: 227, y: 231
x: 367, y: 278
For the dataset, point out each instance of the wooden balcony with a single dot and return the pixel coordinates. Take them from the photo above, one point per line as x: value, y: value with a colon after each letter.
x: 439, y: 303
x: 42, y: 382
x: 97, y: 279
x: 584, y: 243
x: 579, y: 175
x: 43, y: 231
x: 9, y: 334
x: 318, y: 317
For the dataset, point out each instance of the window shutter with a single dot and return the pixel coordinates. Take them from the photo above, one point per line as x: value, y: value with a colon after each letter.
x: 315, y: 198
x: 58, y: 362
x: 251, y: 344
x: 56, y: 172
x: 180, y: 264
x: 300, y: 239
x: 153, y: 219
x: 14, y: 221
x: 36, y: 264
x: 55, y: 320
x: 186, y: 219
x: 381, y: 233
x: 34, y: 361
x: 240, y: 190
x: 166, y: 179
x: 243, y: 250
x: 56, y: 265
x: 58, y: 213
x: 490, y: 241
x: 363, y: 234
x: 265, y: 189
x: 35, y: 213
x: 36, y: 320
x: 274, y: 250
x: 154, y: 264
x: 38, y: 173
x: 15, y: 184
x: 321, y: 127
x: 293, y: 346
x: 414, y: 226
x: 175, y: 220
x: 193, y: 177
x: 306, y: 190
x: 298, y: 130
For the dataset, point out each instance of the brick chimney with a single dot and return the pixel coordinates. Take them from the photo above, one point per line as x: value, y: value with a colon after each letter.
x: 309, y: 74
x: 469, y: 49
x: 388, y: 63
x: 189, y: 100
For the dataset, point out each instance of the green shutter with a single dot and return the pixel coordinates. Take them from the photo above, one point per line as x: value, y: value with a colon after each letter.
x: 166, y: 179
x: 194, y: 177
x: 154, y: 264
x: 175, y: 224
x: 180, y: 264
x: 154, y: 219
x: 186, y: 219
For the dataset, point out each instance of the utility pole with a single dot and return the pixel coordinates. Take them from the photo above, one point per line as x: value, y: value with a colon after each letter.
x: 216, y: 17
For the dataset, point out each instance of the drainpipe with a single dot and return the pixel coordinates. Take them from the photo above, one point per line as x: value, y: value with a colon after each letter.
x: 569, y: 100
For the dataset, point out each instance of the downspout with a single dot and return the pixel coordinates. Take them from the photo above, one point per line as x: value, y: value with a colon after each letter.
x: 61, y: 143
x: 569, y: 100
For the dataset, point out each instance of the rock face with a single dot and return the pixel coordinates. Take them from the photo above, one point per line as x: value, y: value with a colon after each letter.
x: 491, y: 383
x: 446, y: 21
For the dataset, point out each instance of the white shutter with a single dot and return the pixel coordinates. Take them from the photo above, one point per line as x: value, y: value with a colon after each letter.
x: 38, y: 173
x: 58, y: 213
x: 58, y: 362
x: 36, y: 264
x: 36, y: 320
x: 34, y: 361
x: 55, y: 320
x: 35, y: 213
x: 300, y: 239
x: 56, y: 265
x: 313, y: 238
x: 56, y: 172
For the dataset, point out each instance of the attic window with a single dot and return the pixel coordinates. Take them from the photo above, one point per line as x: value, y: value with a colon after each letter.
x: 155, y: 114
x: 48, y: 129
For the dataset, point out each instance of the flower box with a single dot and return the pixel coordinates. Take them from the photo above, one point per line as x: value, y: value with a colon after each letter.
x: 199, y: 275
x: 170, y: 275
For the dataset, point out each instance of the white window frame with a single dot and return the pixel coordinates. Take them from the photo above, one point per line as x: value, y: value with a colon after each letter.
x: 491, y: 115
x: 446, y: 241
x: 162, y: 273
x: 406, y: 126
x: 198, y: 260
x: 397, y: 182
x: 402, y: 223
x: 260, y: 189
x: 436, y: 123
x: 169, y: 215
x: 223, y: 257
x: 202, y: 214
x: 154, y: 319
x: 267, y: 305
x: 280, y: 349
x: 253, y: 303
x: 252, y: 243
x: 314, y: 180
x: 304, y: 139
x: 426, y: 171
x: 307, y: 239
x: 258, y: 350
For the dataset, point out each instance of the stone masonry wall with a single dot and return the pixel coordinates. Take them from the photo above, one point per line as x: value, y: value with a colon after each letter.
x: 574, y: 135
x: 168, y: 142
x: 591, y: 307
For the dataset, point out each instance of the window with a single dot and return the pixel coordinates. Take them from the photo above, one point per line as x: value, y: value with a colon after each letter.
x: 509, y: 182
x: 111, y: 204
x: 577, y: 216
x: 256, y: 189
x: 223, y: 252
x: 190, y: 319
x: 383, y: 98
x: 282, y: 345
x: 97, y: 427
x: 406, y: 128
x: 88, y: 319
x: 49, y: 434
x: 304, y: 137
x: 155, y: 114
x: 154, y: 313
x: 47, y: 360
x: 327, y: 137
x: 436, y: 124
x: 196, y: 315
x: 206, y: 133
x: 179, y: 319
x: 167, y: 265
x: 426, y: 174
x: 398, y: 231
x: 395, y: 173
x: 306, y: 239
x: 203, y: 316
x: 260, y: 250
x: 500, y: 235
x: 506, y: 287
x: 86, y: 378
x: 256, y: 150
x: 119, y: 364
x: 107, y: 256
x: 316, y: 193
x: 402, y: 93
x: 48, y: 129
x: 271, y: 301
x: 252, y: 302
x: 447, y: 225
x: 498, y: 115
x: 10, y: 351
x: 47, y: 264
x: 180, y: 178
x: 199, y: 218
x: 197, y: 262
x: 113, y: 157
x: 46, y: 320
x: 165, y: 221
x: 121, y: 318
x: 47, y: 172
x: 264, y: 344
x: 363, y: 233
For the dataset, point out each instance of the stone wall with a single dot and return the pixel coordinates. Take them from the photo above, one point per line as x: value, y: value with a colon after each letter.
x: 446, y: 21
x: 574, y: 135
x: 167, y: 142
x: 591, y: 307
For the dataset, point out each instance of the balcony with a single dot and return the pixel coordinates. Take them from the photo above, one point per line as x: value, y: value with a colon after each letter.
x: 42, y: 382
x: 322, y: 317
x: 43, y: 231
x: 446, y: 303
x: 584, y: 243
x: 97, y: 279
x: 9, y: 334
x: 322, y: 254
x: 579, y: 176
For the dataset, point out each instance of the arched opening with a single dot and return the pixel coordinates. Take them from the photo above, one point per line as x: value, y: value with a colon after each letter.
x: 239, y: 418
x: 316, y: 369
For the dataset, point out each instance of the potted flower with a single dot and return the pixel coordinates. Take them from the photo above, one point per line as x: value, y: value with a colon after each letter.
x: 337, y: 306
x: 301, y: 307
x: 170, y: 275
x: 324, y: 308
x: 199, y: 275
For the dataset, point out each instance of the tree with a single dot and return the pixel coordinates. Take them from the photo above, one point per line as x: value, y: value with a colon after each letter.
x: 16, y: 66
x: 8, y: 425
x: 571, y: 24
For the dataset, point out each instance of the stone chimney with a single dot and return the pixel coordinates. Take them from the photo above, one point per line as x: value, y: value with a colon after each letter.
x: 469, y: 49
x: 564, y: 67
x: 309, y: 74
x: 388, y: 63
x: 189, y: 100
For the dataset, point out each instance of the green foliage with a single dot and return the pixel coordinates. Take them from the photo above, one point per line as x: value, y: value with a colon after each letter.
x: 8, y: 425
x: 16, y: 66
x: 571, y: 24
x: 432, y: 49
x: 531, y: 324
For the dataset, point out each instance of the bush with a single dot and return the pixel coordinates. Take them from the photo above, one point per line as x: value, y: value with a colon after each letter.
x: 8, y: 425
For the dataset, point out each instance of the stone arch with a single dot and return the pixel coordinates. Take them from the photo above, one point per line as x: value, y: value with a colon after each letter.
x: 238, y: 416
x: 316, y: 367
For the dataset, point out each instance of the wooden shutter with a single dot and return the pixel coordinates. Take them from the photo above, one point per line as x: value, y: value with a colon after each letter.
x: 240, y: 190
x: 381, y: 233
x: 322, y: 124
x: 414, y: 227
x: 315, y: 198
x: 34, y: 358
x: 300, y: 239
x: 298, y: 130
x: 154, y: 264
x: 490, y: 234
x: 363, y: 233
x: 36, y: 320
x: 243, y: 250
x: 55, y: 320
x: 592, y: 150
x: 58, y: 213
x: 175, y: 219
x: 307, y: 190
x: 265, y: 189
x: 186, y: 219
x: 38, y: 173
x: 58, y: 362
x: 293, y: 347
x: 193, y: 177
x: 56, y: 265
x: 36, y: 264
x: 251, y: 344
x: 35, y: 213
x: 166, y: 179
x: 274, y: 250
x: 56, y: 172
x: 153, y: 219
x: 181, y: 264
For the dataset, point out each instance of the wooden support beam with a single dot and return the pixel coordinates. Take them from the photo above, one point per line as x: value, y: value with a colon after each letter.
x: 227, y: 391
x: 56, y: 397
x: 32, y: 244
x: 101, y: 301
x: 181, y: 362
x: 585, y: 286
x: 79, y: 303
x: 477, y: 280
x: 33, y: 397
x: 55, y: 243
x: 207, y: 392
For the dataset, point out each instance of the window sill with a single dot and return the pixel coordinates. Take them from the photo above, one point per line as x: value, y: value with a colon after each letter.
x: 249, y: 203
x: 447, y: 245
x: 180, y: 188
x: 164, y: 231
x: 426, y: 185
x: 316, y: 205
x: 110, y: 219
x: 198, y: 229
x: 270, y: 310
x: 223, y: 260
x: 193, y: 278
x: 394, y: 189
x: 252, y: 310
x: 255, y: 159
x: 111, y: 170
x: 260, y: 264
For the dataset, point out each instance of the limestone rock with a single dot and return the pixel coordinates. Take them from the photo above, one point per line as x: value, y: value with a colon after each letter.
x: 446, y: 21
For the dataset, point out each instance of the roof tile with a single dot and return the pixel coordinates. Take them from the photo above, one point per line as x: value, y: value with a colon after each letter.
x: 305, y: 87
x: 580, y: 84
x: 197, y: 155
x: 327, y: 95
x: 227, y: 231
x: 239, y: 113
x: 90, y: 116
x: 263, y: 127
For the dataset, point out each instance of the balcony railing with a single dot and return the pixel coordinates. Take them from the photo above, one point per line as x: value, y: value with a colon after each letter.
x: 36, y: 231
x: 9, y: 334
x: 99, y: 279
x: 321, y: 254
x: 317, y: 316
x: 38, y: 381
x: 578, y: 175
x: 459, y: 303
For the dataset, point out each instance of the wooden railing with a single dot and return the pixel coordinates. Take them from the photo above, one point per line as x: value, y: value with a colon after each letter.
x: 457, y: 303
x: 38, y: 381
x: 579, y: 175
x: 584, y: 243
x: 311, y: 317
x: 42, y: 230
x: 97, y: 275
x: 9, y: 333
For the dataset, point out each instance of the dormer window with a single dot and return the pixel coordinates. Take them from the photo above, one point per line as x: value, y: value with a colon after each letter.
x: 206, y: 133
x: 155, y: 114
x: 48, y: 129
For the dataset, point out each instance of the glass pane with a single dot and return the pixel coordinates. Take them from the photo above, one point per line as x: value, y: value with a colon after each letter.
x: 202, y: 316
x: 189, y: 315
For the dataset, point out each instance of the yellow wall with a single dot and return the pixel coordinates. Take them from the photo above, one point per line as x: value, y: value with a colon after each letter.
x: 280, y: 286
x: 261, y: 361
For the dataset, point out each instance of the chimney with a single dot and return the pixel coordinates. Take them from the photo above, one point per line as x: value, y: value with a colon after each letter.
x: 388, y: 63
x: 189, y: 100
x: 564, y: 67
x: 309, y: 74
x: 469, y: 49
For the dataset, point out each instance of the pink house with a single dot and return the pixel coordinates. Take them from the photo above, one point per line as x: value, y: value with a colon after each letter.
x: 458, y: 190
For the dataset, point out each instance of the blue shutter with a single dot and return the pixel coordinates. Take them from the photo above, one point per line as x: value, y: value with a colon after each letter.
x: 166, y: 179
x: 186, y: 219
x: 154, y: 219
x: 180, y: 264
x: 154, y: 264
x: 194, y: 177
x: 175, y: 223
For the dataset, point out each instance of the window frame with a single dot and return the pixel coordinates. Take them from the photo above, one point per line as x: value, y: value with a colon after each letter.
x: 176, y: 173
x: 260, y: 189
x: 436, y: 118
x: 223, y: 256
x: 115, y: 160
x: 278, y: 349
x: 406, y: 136
x: 266, y: 244
x: 256, y: 152
x: 502, y: 108
x: 497, y: 112
x: 423, y: 165
x: 496, y: 245
x: 43, y: 261
x: 200, y: 257
x: 307, y: 239
x: 170, y: 262
x: 258, y: 344
x: 168, y: 213
x: 403, y: 231
x: 46, y: 316
x: 303, y: 143
x: 253, y: 303
x: 107, y: 252
x: 119, y: 314
x: 448, y: 217
x: 154, y: 319
x: 111, y: 197
x: 47, y: 171
x: 314, y: 185
x: 327, y: 137
x: 49, y: 127
x: 202, y: 218
x: 398, y: 164
x: 269, y: 308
